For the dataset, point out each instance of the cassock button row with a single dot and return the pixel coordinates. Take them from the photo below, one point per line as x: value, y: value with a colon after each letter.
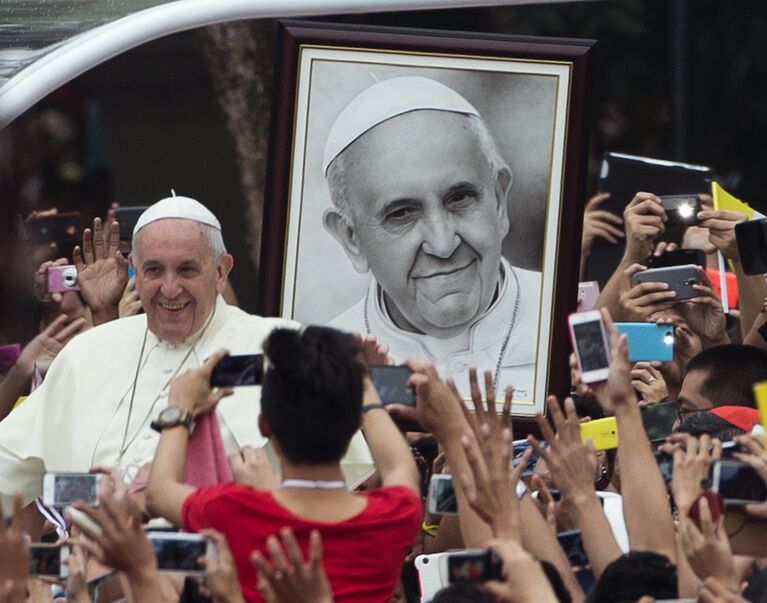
x: 457, y: 366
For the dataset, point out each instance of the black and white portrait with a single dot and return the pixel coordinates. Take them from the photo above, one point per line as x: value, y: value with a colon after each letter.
x: 424, y: 207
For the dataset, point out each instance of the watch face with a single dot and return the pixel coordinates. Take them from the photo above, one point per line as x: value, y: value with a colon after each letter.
x: 170, y: 415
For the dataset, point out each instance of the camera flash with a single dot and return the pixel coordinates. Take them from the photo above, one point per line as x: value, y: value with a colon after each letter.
x: 685, y: 211
x: 668, y: 338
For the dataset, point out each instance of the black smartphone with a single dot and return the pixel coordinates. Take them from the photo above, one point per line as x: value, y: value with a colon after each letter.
x: 665, y: 463
x: 737, y: 483
x: 127, y: 218
x: 232, y: 371
x: 681, y: 210
x: 730, y: 448
x: 179, y: 552
x: 659, y: 419
x: 57, y: 228
x: 752, y: 245
x: 391, y: 383
x: 572, y: 544
x: 678, y: 278
x: 48, y: 560
x: 474, y: 566
x: 678, y: 257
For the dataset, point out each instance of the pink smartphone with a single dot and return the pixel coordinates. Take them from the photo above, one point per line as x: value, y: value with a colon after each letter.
x: 62, y: 278
x: 588, y: 293
x: 592, y: 350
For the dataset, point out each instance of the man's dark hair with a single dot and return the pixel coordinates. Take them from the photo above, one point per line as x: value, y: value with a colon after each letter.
x: 633, y: 576
x: 698, y: 423
x: 732, y: 370
x: 311, y: 394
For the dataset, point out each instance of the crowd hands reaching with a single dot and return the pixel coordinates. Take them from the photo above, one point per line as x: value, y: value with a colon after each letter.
x: 673, y: 539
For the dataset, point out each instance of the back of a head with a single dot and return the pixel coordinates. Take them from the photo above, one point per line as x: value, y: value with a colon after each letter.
x: 464, y: 592
x: 732, y: 370
x: 633, y: 576
x: 312, y: 392
x: 700, y: 423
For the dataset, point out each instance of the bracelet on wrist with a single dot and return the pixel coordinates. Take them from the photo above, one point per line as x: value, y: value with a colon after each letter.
x: 430, y: 529
x: 368, y: 407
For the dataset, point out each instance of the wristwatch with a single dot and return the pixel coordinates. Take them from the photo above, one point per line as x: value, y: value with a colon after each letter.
x: 172, y: 416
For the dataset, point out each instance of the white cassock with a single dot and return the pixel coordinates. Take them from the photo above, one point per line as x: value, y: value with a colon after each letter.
x: 77, y: 418
x: 504, y: 340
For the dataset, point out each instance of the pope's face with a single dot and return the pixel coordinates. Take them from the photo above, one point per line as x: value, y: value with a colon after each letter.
x: 428, y: 220
x: 177, y: 277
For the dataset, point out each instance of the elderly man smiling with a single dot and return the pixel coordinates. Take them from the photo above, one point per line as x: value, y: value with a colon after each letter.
x: 420, y: 196
x: 107, y: 385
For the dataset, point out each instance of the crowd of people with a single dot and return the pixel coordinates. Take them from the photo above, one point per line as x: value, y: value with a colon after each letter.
x: 308, y: 488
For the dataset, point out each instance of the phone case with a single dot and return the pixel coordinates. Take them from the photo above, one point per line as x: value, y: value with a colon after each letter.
x: 679, y: 279
x: 432, y: 502
x: 760, y: 394
x: 752, y: 245
x: 603, y: 433
x: 596, y: 371
x: 648, y: 341
x: 588, y: 293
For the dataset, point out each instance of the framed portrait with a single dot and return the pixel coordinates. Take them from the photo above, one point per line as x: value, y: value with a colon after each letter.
x: 427, y: 188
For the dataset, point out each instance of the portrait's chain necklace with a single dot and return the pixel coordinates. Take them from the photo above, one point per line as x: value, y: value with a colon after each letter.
x: 507, y: 337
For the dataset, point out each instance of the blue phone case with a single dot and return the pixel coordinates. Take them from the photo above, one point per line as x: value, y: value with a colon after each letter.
x: 648, y: 341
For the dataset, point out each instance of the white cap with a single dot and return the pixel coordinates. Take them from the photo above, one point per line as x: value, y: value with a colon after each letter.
x: 385, y: 100
x: 177, y: 207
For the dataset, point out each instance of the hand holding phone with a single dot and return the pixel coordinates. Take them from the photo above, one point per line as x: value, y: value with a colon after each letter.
x: 180, y: 552
x: 472, y: 566
x: 391, y: 383
x: 63, y: 489
x: 62, y: 278
x: 679, y: 279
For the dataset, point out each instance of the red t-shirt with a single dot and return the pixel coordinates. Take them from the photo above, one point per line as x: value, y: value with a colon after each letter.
x: 362, y: 555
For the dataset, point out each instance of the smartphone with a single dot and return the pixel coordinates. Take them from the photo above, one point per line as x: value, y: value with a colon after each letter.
x: 737, y: 483
x: 62, y: 489
x: 62, y: 278
x: 678, y: 257
x: 391, y: 383
x: 679, y: 279
x: 589, y: 338
x: 180, y: 552
x: 665, y: 463
x: 56, y: 228
x: 730, y: 448
x: 233, y: 371
x: 572, y: 544
x: 441, y: 499
x: 48, y: 560
x: 9, y: 354
x: 752, y: 245
x: 681, y: 210
x: 760, y: 395
x: 588, y: 293
x: 603, y: 433
x: 659, y: 419
x: 715, y: 505
x: 472, y: 566
x: 648, y: 341
x: 127, y: 218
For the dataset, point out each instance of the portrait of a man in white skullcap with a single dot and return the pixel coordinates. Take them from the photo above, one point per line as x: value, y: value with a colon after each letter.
x: 419, y: 196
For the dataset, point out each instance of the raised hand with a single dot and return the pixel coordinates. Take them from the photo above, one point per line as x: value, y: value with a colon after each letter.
x: 641, y: 301
x: 130, y: 302
x: 648, y: 380
x: 756, y: 457
x: 645, y: 220
x: 251, y: 467
x: 288, y: 578
x: 220, y: 572
x: 41, y: 351
x: 704, y: 313
x: 192, y: 391
x: 721, y: 230
x: 102, y: 271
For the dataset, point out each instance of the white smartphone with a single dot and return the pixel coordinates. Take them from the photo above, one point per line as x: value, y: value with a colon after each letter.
x: 181, y: 552
x: 441, y: 499
x: 589, y: 338
x: 82, y: 520
x: 62, y: 489
x: 48, y: 560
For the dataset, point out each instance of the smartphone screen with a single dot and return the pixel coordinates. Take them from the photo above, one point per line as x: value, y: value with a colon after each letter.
x: 659, y: 419
x: 179, y: 552
x: 127, y: 218
x: 442, y: 500
x: 67, y: 488
x: 57, y: 228
x: 391, y: 384
x: 232, y: 371
x: 473, y: 566
x: 589, y: 340
x: 738, y: 483
x: 45, y: 559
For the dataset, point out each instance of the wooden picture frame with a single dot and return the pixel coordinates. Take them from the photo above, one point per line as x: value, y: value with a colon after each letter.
x: 532, y: 95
